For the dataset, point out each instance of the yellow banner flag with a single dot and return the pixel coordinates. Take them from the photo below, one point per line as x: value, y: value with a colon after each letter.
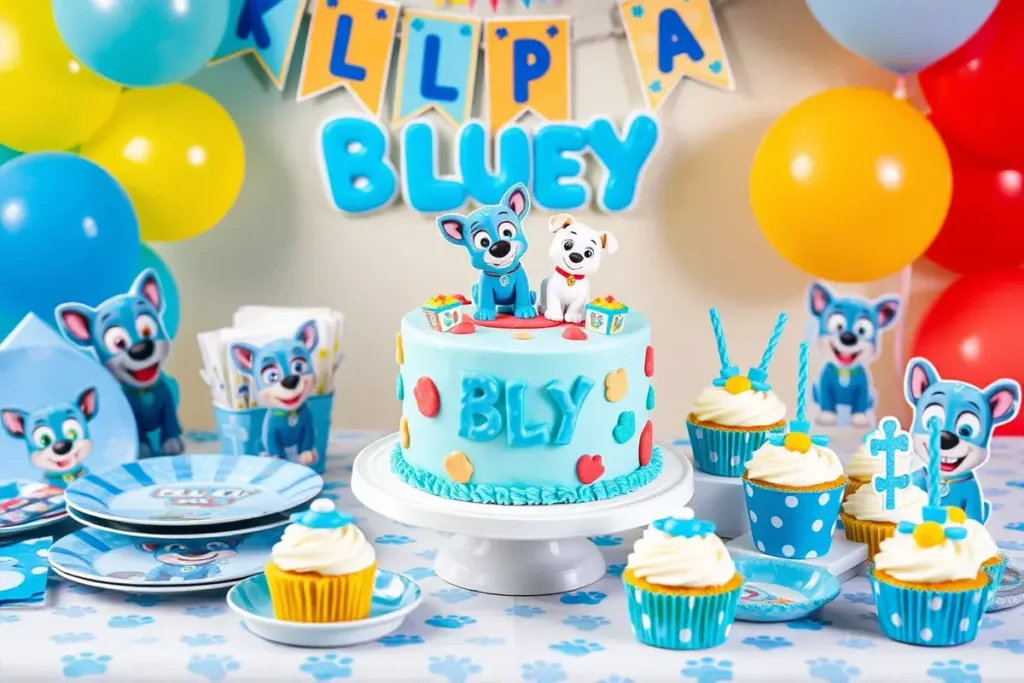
x: 527, y: 69
x: 349, y: 45
x: 673, y: 39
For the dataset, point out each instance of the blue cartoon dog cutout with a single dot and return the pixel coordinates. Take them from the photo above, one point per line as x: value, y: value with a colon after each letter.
x: 848, y: 334
x: 57, y: 436
x: 127, y: 335
x: 494, y: 237
x: 967, y: 416
x: 283, y: 378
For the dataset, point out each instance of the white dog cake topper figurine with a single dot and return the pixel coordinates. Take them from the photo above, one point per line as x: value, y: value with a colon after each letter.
x: 576, y: 253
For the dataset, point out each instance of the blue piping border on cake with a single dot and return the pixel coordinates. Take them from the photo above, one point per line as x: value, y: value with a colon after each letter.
x: 525, y: 495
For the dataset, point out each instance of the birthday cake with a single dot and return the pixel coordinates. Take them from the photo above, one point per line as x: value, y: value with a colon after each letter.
x: 522, y: 398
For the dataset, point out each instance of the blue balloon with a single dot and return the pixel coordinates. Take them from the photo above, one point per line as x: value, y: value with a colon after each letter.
x: 142, y: 43
x: 68, y: 232
x: 6, y: 154
x: 903, y: 36
x: 172, y: 304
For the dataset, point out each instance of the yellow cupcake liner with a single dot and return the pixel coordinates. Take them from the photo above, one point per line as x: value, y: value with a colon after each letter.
x: 871, y: 533
x: 316, y: 599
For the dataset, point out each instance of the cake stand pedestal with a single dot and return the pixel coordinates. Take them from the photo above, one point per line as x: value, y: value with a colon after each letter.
x: 518, y: 550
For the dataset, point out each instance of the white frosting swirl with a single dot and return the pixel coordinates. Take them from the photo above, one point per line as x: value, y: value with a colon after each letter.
x: 869, y: 505
x: 330, y: 552
x: 679, y: 561
x: 783, y: 467
x: 863, y: 465
x: 903, y: 559
x: 979, y: 542
x: 745, y: 409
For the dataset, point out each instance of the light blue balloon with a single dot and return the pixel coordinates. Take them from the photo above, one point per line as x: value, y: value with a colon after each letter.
x: 903, y: 36
x: 172, y: 304
x: 6, y: 154
x: 142, y: 43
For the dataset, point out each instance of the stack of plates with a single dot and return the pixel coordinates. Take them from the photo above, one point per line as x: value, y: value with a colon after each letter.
x: 181, y: 523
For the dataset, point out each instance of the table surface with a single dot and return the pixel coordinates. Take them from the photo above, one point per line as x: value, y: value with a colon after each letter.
x: 463, y: 637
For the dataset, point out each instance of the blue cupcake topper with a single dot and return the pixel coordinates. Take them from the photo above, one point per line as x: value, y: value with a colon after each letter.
x: 322, y: 514
x: 895, y: 441
x: 687, y: 528
x: 729, y: 376
x: 933, y: 530
x: 799, y: 439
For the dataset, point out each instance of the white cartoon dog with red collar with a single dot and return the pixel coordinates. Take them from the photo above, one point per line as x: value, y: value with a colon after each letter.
x: 576, y: 252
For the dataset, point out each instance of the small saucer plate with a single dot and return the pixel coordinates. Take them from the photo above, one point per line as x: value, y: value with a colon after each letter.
x: 1011, y: 591
x: 394, y: 596
x: 173, y: 589
x: 194, y: 490
x: 143, y: 531
x: 780, y: 590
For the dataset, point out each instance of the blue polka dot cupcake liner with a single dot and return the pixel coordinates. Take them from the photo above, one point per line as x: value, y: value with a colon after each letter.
x: 792, y: 524
x: 678, y: 622
x: 934, y: 618
x: 995, y: 572
x: 723, y: 452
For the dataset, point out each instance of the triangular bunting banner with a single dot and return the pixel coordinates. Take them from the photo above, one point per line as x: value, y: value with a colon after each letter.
x: 264, y: 28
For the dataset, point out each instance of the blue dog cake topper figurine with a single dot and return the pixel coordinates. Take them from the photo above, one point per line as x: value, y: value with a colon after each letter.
x: 967, y: 417
x: 496, y: 242
x: 283, y: 376
x: 57, y: 436
x: 895, y: 442
x: 848, y: 335
x: 127, y: 335
x: 756, y: 379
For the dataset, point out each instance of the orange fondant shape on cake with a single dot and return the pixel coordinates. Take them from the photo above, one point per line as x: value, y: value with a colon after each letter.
x: 616, y: 384
x: 649, y: 362
x: 399, y: 351
x: 522, y: 336
x: 458, y: 467
x: 589, y: 468
x: 427, y: 398
x: 403, y: 431
x: 646, y: 443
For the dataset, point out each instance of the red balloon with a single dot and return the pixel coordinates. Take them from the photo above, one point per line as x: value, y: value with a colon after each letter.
x: 975, y: 93
x: 971, y: 332
x: 984, y: 228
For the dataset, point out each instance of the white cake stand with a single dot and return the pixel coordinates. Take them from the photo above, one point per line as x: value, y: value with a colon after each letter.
x: 518, y: 550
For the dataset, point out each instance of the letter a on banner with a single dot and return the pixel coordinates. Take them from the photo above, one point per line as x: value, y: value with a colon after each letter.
x: 349, y: 45
x: 527, y: 69
x: 265, y: 28
x: 436, y: 66
x: 673, y: 39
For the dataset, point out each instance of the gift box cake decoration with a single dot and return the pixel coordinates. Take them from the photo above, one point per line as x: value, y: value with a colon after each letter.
x: 605, y: 315
x: 443, y: 311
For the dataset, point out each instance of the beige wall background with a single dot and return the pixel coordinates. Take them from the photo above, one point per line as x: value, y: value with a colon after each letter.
x: 691, y: 242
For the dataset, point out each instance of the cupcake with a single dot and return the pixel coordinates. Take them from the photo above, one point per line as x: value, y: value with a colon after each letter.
x: 929, y: 589
x: 863, y: 465
x: 979, y: 543
x: 681, y: 585
x: 867, y: 518
x: 323, y: 568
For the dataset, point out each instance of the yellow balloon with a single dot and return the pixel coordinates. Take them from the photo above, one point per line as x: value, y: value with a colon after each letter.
x: 48, y: 100
x: 851, y: 185
x: 178, y: 155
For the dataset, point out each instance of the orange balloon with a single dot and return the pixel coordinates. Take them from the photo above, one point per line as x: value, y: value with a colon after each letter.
x: 851, y: 185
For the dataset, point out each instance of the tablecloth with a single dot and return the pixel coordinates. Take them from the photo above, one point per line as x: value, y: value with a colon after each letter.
x: 457, y: 636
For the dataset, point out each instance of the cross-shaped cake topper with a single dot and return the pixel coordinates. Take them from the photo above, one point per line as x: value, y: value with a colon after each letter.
x: 729, y: 376
x: 933, y: 530
x: 687, y: 528
x: 799, y: 439
x: 894, y: 442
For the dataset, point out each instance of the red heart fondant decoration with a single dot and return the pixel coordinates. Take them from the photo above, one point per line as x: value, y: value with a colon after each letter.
x: 649, y: 362
x: 427, y: 398
x: 574, y: 334
x: 589, y: 468
x: 646, y: 443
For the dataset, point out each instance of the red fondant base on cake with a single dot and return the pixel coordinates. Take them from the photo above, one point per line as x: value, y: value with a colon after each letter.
x: 505, y: 321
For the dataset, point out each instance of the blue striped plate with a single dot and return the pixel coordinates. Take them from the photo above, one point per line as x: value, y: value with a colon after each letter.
x: 194, y: 490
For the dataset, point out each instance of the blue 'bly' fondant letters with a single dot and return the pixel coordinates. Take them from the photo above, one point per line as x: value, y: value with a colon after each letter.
x: 481, y: 420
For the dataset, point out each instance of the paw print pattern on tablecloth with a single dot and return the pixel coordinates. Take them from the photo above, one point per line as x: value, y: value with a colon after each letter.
x: 524, y: 611
x: 859, y: 598
x: 449, y: 621
x: 453, y: 669
x: 213, y: 667
x: 419, y: 573
x: 130, y: 621
x: 582, y: 598
x: 205, y: 611
x: 327, y: 667
x: 708, y: 670
x: 452, y: 596
x: 1014, y: 645
x: 544, y: 672
x: 203, y: 640
x: 145, y: 600
x: 955, y: 671
x: 578, y: 647
x: 68, y: 638
x: 811, y: 624
x: 831, y: 670
x: 767, y: 643
x: 857, y: 643
x: 84, y: 664
x: 74, y: 611
x: 585, y: 622
x: 400, y: 640
x: 392, y: 539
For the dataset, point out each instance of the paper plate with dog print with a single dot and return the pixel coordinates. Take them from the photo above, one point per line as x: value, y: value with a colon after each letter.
x: 194, y: 490
x: 62, y: 415
x: 110, y: 558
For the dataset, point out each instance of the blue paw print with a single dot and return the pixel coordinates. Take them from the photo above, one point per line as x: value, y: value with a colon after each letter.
x: 202, y: 436
x: 856, y: 643
x: 1015, y: 526
x: 9, y: 618
x: 544, y: 672
x: 213, y: 667
x: 637, y: 11
x: 1010, y: 545
x: 812, y: 624
x: 501, y: 33
x: 466, y: 30
x: 616, y: 569
x: 991, y: 622
x: 382, y: 14
x: 955, y: 671
x: 708, y: 670
x: 66, y: 638
x: 715, y: 67
x: 616, y: 679
x: 576, y: 648
x: 205, y: 611
x: 203, y: 640
x: 582, y: 598
x: 606, y: 541
x: 85, y: 664
x: 452, y: 596
x: 860, y: 598
x: 484, y: 641
x: 391, y: 539
x: 996, y: 507
x: 419, y: 573
x: 552, y: 31
x: 74, y: 612
x: 449, y: 621
x: 585, y: 623
x: 79, y: 589
x: 130, y: 621
x: 454, y: 669
x: 524, y: 611
x: 327, y: 667
x: 417, y: 24
x: 655, y: 86
x: 1014, y: 645
x: 427, y: 554
x: 831, y: 670
x: 767, y: 643
x: 144, y: 600
x: 400, y: 639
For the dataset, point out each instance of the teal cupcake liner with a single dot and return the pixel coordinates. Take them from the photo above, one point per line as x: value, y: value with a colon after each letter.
x: 678, y: 622
x: 934, y: 618
x: 723, y: 452
x: 995, y: 573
